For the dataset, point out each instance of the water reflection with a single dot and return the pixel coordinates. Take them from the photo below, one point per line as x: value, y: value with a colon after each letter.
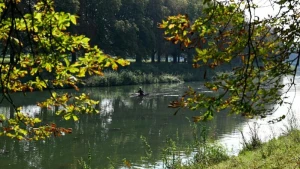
x: 116, y: 131
x: 266, y: 131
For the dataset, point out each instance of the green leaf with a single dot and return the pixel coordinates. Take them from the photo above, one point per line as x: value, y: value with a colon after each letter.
x: 48, y: 67
x: 67, y: 62
x: 75, y: 118
x: 73, y: 19
x: 73, y: 69
x: 38, y: 16
x: 82, y: 71
x: 10, y: 135
x: 67, y: 116
x: 2, y: 117
x: 37, y: 120
x: 33, y: 71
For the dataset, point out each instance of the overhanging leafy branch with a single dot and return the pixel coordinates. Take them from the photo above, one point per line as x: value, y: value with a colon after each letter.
x: 259, y: 49
x: 38, y: 44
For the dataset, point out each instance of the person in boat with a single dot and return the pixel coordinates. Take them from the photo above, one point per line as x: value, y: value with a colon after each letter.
x: 141, y: 92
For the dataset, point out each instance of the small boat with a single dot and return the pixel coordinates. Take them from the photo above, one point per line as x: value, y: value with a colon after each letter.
x: 138, y: 95
x: 146, y: 94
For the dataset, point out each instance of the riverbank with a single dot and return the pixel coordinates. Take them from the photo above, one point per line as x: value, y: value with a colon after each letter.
x: 125, y: 77
x: 282, y: 152
x: 149, y: 73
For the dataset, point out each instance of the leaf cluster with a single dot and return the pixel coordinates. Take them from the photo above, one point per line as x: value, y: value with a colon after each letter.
x: 39, y: 48
x: 259, y: 48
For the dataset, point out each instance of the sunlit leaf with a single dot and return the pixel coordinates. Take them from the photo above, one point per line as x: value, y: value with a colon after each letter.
x: 75, y: 118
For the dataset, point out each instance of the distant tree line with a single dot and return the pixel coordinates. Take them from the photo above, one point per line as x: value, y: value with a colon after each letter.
x: 129, y: 28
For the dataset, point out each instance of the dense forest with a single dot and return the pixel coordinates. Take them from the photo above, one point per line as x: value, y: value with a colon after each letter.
x: 129, y: 28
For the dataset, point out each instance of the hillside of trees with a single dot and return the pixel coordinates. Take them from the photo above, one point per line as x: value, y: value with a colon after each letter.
x: 129, y: 28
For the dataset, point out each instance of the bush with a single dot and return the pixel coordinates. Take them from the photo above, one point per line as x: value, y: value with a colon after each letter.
x: 209, y: 154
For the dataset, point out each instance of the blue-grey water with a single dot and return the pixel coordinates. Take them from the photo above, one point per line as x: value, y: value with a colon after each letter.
x: 114, y: 134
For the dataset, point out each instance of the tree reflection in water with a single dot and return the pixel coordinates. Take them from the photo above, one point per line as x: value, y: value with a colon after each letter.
x: 114, y: 133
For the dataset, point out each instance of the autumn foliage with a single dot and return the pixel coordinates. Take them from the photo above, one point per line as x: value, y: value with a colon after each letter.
x: 35, y: 40
x: 256, y: 49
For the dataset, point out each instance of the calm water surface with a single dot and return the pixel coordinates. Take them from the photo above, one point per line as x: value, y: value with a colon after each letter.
x: 115, y: 133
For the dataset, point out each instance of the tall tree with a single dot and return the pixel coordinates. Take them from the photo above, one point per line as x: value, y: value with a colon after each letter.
x: 97, y: 19
x: 230, y: 31
x: 156, y: 14
x: 68, y: 6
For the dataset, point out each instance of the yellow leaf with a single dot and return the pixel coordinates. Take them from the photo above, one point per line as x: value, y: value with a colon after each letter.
x: 197, y: 118
x: 67, y: 117
x: 33, y: 71
x: 171, y: 26
x: 20, y: 137
x: 48, y: 67
x: 215, y: 88
x: 75, y: 118
x: 73, y: 19
x: 2, y: 117
x: 82, y: 71
x: 115, y: 66
x: 37, y: 120
x: 107, y: 64
x: 10, y: 135
x: 123, y: 62
x: 127, y: 163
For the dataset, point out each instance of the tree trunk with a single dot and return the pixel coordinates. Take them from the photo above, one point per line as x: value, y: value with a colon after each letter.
x: 174, y: 58
x: 152, y: 56
x: 138, y: 59
x: 167, y: 59
x: 11, y: 112
x: 190, y: 59
x: 158, y: 56
x: 73, y: 57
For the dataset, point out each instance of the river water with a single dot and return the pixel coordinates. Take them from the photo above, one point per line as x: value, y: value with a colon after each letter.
x: 114, y: 134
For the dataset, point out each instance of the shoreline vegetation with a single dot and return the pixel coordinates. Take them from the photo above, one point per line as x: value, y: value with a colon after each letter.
x: 280, y: 152
x: 150, y: 73
x: 147, y: 73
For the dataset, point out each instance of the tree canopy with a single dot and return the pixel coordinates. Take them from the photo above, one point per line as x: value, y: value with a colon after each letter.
x: 113, y: 23
x: 230, y: 31
x: 35, y: 39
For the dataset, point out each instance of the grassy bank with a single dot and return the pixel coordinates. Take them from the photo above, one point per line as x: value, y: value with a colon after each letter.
x: 126, y: 77
x: 282, y: 152
x: 149, y: 73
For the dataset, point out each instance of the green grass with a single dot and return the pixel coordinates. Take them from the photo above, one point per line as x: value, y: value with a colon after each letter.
x: 282, y: 152
x: 131, y: 78
x: 148, y: 73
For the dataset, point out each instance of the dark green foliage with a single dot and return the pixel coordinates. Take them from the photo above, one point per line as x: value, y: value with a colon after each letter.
x: 147, y: 73
x: 127, y: 28
x: 130, y: 78
x: 68, y: 6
